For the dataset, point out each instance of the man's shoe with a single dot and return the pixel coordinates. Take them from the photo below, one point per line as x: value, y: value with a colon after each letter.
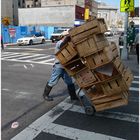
x: 47, y: 92
x: 47, y: 98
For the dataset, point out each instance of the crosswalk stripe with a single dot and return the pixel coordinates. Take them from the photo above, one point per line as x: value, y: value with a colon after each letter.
x: 11, y: 54
x: 36, y: 127
x: 42, y: 122
x: 76, y: 134
x: 27, y: 61
x: 30, y: 56
x: 36, y: 49
x: 40, y: 57
x: 108, y: 114
x: 133, y: 89
x: 11, y: 57
x: 18, y: 55
x: 52, y: 59
x: 46, y: 121
x: 136, y: 76
x: 5, y: 52
x: 135, y: 82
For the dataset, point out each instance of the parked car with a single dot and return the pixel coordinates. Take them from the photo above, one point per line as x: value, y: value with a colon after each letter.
x: 31, y: 39
x: 57, y: 34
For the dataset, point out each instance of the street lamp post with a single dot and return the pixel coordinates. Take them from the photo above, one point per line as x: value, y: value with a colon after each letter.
x: 126, y: 6
x: 125, y: 49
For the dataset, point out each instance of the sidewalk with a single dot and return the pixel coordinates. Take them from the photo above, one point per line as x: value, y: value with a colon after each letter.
x: 132, y: 63
x: 9, y: 44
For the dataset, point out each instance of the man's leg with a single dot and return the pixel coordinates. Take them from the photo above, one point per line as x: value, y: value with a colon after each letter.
x: 137, y: 52
x: 56, y: 74
x: 71, y: 88
x: 2, y: 45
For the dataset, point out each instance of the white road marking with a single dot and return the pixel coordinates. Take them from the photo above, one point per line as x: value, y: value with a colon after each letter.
x: 76, y: 134
x: 136, y: 77
x: 108, y: 114
x: 46, y: 120
x: 4, y: 55
x: 133, y: 89
x: 52, y: 59
x: 25, y: 49
x: 30, y: 56
x: 25, y: 67
x: 45, y: 123
x: 5, y: 89
x: 135, y: 82
x: 40, y: 57
x: 26, y: 61
x: 5, y: 52
x: 42, y: 122
x: 32, y: 65
x: 18, y: 55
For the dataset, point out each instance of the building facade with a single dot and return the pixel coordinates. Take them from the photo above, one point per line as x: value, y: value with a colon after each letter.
x: 44, y: 9
x: 109, y: 13
x: 55, y: 12
x: 7, y: 9
x: 32, y: 3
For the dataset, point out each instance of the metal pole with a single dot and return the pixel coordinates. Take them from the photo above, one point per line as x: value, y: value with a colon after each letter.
x: 124, y: 54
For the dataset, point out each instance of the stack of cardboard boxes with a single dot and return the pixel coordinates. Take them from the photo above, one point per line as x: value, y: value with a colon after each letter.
x: 96, y: 66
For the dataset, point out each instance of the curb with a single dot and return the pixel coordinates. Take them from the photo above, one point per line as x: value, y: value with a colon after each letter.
x: 15, y: 44
x: 11, y: 44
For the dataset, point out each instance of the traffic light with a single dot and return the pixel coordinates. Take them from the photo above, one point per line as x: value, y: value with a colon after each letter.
x: 6, y: 21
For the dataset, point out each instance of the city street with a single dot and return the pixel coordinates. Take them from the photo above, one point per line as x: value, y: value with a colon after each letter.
x: 22, y: 86
x: 24, y: 73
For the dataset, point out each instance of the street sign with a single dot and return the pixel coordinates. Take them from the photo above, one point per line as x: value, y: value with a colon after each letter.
x: 127, y: 5
x: 86, y: 14
x: 12, y: 32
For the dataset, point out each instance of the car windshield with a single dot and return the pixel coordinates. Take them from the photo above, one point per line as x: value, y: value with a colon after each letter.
x: 58, y: 31
x: 38, y: 34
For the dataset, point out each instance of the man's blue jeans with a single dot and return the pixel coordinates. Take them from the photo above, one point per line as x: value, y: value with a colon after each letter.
x: 57, y: 74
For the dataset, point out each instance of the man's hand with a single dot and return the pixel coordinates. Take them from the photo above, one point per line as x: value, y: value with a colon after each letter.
x: 66, y: 40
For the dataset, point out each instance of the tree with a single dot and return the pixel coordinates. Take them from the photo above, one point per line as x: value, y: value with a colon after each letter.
x: 6, y: 21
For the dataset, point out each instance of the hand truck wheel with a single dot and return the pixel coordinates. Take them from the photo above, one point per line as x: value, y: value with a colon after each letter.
x: 89, y: 110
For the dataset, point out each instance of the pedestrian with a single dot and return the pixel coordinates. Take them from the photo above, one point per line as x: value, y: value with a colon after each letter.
x: 2, y: 45
x: 59, y: 72
x: 137, y: 46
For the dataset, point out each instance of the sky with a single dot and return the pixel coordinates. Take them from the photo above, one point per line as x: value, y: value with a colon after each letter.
x: 116, y: 3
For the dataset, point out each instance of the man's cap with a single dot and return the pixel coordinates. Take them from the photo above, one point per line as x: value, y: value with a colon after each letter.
x: 64, y: 33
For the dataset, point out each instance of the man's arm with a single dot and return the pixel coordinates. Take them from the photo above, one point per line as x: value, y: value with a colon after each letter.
x: 66, y: 40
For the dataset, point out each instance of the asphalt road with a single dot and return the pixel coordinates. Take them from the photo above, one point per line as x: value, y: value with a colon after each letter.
x: 23, y: 81
x: 22, y: 85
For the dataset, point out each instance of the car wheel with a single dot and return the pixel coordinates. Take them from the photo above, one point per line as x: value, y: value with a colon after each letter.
x: 31, y: 42
x: 53, y: 41
x: 43, y: 41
